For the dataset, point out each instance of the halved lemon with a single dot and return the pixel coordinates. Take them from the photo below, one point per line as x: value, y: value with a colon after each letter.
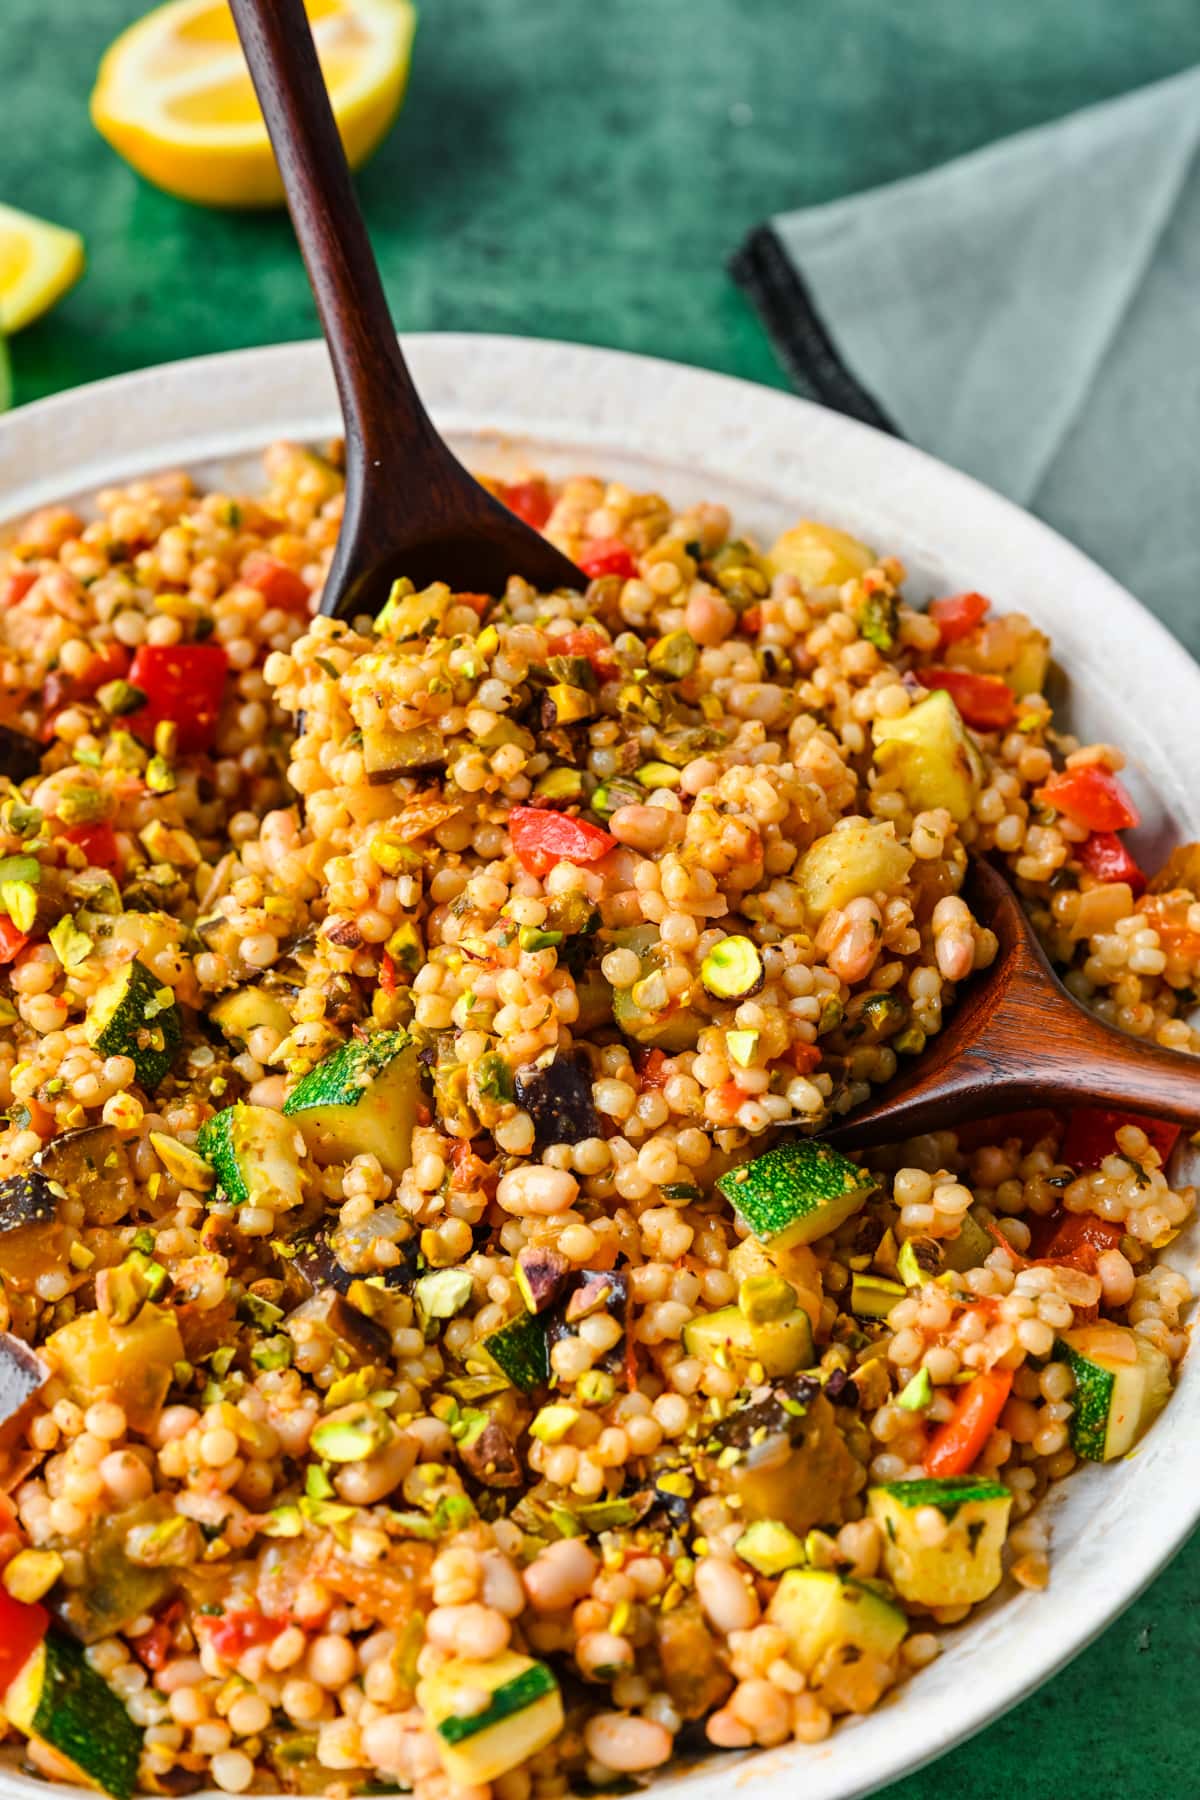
x: 38, y: 263
x: 173, y: 95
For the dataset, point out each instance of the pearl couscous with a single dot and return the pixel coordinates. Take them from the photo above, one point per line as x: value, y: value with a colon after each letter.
x: 437, y: 1350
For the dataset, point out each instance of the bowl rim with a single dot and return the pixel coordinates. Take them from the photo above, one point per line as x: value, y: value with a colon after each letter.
x: 506, y: 391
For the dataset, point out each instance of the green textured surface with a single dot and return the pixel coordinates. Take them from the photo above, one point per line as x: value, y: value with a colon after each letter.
x: 581, y: 171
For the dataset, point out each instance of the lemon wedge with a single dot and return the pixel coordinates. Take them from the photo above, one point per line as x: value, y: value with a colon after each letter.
x: 38, y: 263
x: 173, y: 95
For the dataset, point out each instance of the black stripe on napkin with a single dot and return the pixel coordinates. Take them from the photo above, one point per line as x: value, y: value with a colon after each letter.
x: 801, y: 339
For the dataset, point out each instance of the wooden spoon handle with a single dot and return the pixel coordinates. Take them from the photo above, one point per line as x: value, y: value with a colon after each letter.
x: 380, y: 405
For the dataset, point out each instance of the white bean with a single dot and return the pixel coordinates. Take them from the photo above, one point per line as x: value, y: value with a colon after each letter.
x: 535, y: 1189
x: 560, y: 1575
x: 624, y: 1742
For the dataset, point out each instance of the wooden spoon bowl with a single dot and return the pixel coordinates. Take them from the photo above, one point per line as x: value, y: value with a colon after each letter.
x: 1017, y: 1039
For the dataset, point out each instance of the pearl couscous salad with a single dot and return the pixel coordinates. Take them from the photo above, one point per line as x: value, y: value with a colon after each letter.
x: 438, y: 1352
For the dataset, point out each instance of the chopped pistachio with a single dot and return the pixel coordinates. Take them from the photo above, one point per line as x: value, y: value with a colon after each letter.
x: 741, y: 1046
x: 82, y: 805
x: 182, y: 1163
x: 533, y: 937
x: 559, y: 783
x: 283, y: 1522
x: 120, y: 697
x: 19, y: 900
x: 658, y: 775
x: 354, y: 1435
x: 675, y: 655
x: 160, y: 776
x: 272, y: 1353
x: 70, y: 945
x: 32, y: 1573
x: 917, y: 1393
x: 443, y: 1293
x: 553, y: 1423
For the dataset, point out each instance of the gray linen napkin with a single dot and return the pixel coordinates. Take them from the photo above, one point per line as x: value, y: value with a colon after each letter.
x: 1029, y: 313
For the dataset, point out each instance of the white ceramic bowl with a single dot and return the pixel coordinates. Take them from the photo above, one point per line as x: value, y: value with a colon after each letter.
x: 513, y: 404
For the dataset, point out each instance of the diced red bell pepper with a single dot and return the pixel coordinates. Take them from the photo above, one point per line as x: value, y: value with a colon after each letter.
x: 985, y: 701
x: 542, y: 838
x: 1169, y: 914
x: 478, y: 603
x: 805, y: 1057
x: 237, y: 1632
x: 14, y: 587
x: 1091, y: 1135
x: 109, y: 663
x: 98, y: 843
x: 586, y: 641
x: 1105, y: 856
x: 530, y: 500
x: 1090, y: 795
x: 607, y: 556
x: 751, y: 620
x: 731, y: 1095
x: 22, y: 1628
x: 278, y: 584
x: 956, y: 1446
x: 957, y: 615
x: 183, y: 683
x: 1070, y: 1237
x: 153, y: 1647
x: 652, y: 1070
x: 12, y: 941
x: 387, y: 974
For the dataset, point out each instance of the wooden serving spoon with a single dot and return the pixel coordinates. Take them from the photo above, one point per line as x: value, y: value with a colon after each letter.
x: 411, y: 508
x: 1017, y: 1039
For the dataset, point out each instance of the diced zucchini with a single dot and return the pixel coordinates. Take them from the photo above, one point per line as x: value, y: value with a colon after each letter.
x: 970, y: 1247
x: 361, y: 1101
x: 727, y: 1336
x: 521, y: 1351
x: 132, y: 1364
x: 523, y: 1714
x: 133, y: 1014
x: 932, y: 754
x: 255, y: 1155
x: 799, y: 1190
x: 847, y: 864
x: 770, y: 1547
x: 965, y: 1566
x: 821, y: 1611
x: 58, y: 1697
x: 645, y: 1011
x: 245, y: 1010
x: 1116, y: 1401
x: 819, y: 555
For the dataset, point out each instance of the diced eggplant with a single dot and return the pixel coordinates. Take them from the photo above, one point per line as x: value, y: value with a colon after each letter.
x: 26, y: 1199
x: 541, y: 1276
x: 593, y: 1291
x: 349, y: 1332
x: 318, y: 1263
x: 491, y: 1458
x: 558, y: 1098
x: 694, y: 1674
x: 92, y: 1164
x: 22, y: 1376
x: 112, y: 1588
x: 792, y: 1463
x: 20, y: 755
x: 389, y: 754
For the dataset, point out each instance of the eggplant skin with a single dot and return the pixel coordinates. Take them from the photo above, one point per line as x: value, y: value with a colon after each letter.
x: 20, y: 755
x: 559, y: 1101
x: 22, y: 1375
x: 26, y: 1199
